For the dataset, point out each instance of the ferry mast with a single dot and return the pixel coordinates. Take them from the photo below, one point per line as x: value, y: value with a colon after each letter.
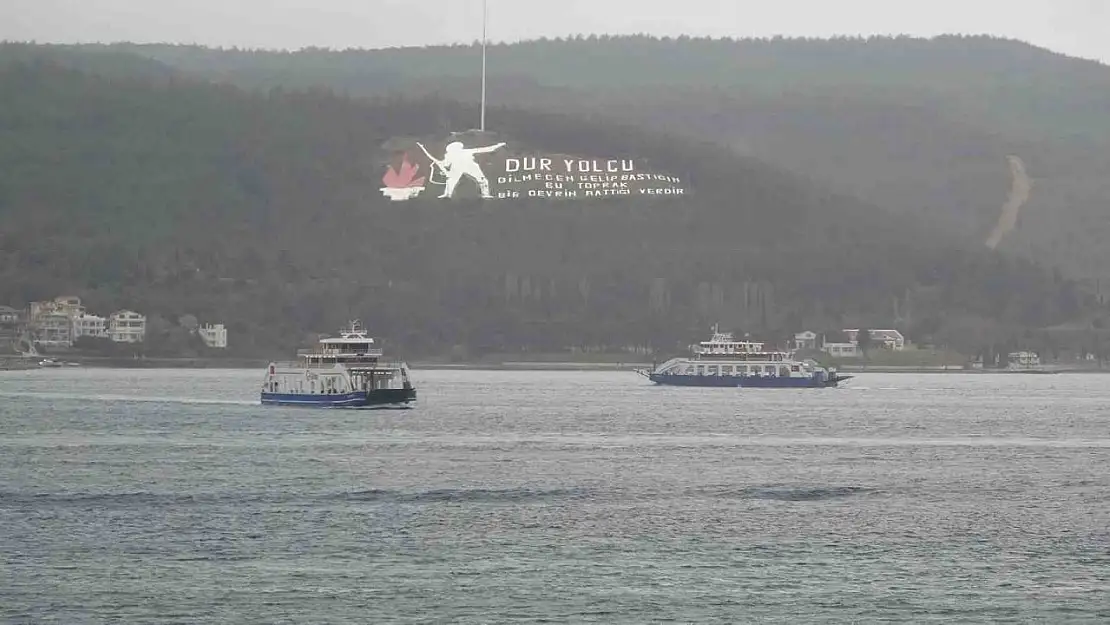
x: 485, y: 16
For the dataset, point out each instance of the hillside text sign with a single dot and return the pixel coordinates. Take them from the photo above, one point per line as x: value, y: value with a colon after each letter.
x: 491, y: 171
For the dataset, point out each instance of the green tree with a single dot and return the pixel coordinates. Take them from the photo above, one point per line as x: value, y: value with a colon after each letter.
x: 173, y: 196
x: 863, y: 341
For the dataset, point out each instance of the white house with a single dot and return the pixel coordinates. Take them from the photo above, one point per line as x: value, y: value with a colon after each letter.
x: 126, y: 326
x: 886, y: 339
x: 214, y: 336
x: 9, y: 315
x: 806, y: 340
x: 841, y: 350
x: 53, y: 329
x: 52, y: 321
x: 69, y: 306
x: 89, y: 325
x: 9, y: 325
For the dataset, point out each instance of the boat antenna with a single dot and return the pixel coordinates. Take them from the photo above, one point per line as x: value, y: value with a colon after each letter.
x: 485, y: 14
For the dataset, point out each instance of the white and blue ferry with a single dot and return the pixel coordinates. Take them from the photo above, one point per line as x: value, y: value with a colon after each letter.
x: 725, y: 362
x: 344, y: 372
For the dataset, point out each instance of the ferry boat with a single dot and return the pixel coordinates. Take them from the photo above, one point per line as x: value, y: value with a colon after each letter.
x: 1026, y: 362
x: 723, y: 361
x: 344, y: 372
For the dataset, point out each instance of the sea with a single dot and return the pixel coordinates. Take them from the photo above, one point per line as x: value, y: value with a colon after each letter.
x: 172, y: 496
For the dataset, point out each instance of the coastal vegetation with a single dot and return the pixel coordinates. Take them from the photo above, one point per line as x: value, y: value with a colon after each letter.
x: 928, y: 127
x: 133, y: 184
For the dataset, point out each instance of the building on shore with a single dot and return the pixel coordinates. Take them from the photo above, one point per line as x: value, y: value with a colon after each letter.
x: 126, y: 326
x: 90, y: 325
x: 52, y: 322
x: 68, y: 305
x: 841, y: 350
x: 214, y: 336
x: 10, y: 316
x: 57, y: 323
x: 881, y: 339
x: 886, y: 339
x: 807, y: 340
x: 53, y: 330
x: 11, y: 326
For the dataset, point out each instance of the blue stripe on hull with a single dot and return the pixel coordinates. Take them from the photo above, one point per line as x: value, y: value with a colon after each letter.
x: 726, y: 381
x: 360, y: 399
x: 719, y: 381
x: 782, y: 383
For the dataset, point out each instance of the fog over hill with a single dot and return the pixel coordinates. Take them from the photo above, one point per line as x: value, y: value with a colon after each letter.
x: 133, y: 186
x: 918, y: 126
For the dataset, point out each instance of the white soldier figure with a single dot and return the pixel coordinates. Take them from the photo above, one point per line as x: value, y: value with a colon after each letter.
x: 458, y: 161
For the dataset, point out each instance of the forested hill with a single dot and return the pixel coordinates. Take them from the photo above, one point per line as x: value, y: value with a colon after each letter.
x: 266, y: 211
x: 921, y: 126
x: 990, y: 80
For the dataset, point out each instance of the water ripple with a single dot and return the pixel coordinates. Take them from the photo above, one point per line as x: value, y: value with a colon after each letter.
x: 171, y: 496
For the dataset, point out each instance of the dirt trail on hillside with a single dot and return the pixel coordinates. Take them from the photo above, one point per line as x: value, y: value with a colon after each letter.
x: 1019, y: 195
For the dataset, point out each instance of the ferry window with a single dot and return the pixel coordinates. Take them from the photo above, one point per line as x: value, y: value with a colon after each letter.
x: 795, y: 368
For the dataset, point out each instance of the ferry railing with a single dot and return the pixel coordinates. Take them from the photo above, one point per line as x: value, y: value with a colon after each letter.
x: 381, y: 365
x: 667, y: 365
x: 370, y: 353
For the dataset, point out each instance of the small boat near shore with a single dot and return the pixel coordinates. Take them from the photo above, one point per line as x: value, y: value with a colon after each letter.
x: 348, y: 371
x: 723, y: 361
x: 50, y: 363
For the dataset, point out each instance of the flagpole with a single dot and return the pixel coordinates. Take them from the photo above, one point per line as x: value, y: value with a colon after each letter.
x: 485, y: 13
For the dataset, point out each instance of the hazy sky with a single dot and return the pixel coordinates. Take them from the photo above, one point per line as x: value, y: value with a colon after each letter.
x: 1075, y: 27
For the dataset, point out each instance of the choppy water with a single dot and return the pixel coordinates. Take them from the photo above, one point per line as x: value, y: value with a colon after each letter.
x: 170, y: 496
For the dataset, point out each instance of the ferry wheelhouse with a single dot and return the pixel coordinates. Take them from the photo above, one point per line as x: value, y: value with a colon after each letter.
x: 344, y: 372
x: 724, y: 361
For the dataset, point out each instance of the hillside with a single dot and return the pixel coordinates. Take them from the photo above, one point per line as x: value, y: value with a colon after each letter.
x: 924, y: 127
x: 265, y: 211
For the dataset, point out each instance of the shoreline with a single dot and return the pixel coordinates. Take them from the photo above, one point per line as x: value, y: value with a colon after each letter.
x: 110, y: 362
x: 17, y: 363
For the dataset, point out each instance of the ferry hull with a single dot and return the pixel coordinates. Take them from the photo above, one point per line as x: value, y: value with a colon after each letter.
x: 726, y: 381
x: 362, y: 399
x: 814, y: 382
x: 719, y: 381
